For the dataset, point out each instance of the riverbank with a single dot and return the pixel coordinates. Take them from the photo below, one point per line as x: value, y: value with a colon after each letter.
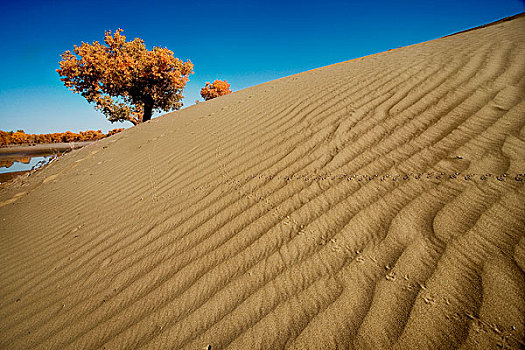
x: 17, y: 151
x: 20, y: 159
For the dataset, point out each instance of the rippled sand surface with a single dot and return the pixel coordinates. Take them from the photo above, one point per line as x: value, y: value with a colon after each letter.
x: 377, y: 203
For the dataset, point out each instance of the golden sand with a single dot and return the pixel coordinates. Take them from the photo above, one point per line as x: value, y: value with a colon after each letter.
x: 377, y: 203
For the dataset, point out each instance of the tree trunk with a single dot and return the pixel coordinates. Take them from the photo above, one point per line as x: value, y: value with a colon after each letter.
x: 148, y: 109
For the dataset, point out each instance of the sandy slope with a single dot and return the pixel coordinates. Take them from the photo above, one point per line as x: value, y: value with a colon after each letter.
x: 372, y: 204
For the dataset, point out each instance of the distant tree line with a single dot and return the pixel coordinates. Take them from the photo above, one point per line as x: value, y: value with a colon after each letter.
x: 21, y: 138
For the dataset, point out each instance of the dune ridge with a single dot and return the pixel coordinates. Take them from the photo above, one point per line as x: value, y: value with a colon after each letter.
x: 377, y: 203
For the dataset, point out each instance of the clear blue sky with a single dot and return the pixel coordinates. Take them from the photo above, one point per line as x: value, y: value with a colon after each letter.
x: 246, y: 42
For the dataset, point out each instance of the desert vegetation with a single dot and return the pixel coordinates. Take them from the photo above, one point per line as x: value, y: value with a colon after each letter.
x: 21, y: 138
x: 126, y: 81
x: 215, y: 89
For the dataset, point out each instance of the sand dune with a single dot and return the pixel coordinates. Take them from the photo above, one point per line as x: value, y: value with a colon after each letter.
x: 377, y: 203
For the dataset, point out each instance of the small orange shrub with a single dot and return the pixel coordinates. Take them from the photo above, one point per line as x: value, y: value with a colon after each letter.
x: 218, y: 88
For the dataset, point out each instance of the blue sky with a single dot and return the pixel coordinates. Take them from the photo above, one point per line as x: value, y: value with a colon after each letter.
x: 245, y: 42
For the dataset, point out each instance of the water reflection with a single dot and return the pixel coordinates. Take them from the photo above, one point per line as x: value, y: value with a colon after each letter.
x: 7, y: 163
x: 15, y: 161
x: 24, y: 163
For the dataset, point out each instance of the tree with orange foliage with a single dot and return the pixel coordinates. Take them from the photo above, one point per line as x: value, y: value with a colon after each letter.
x: 218, y: 88
x: 123, y: 79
